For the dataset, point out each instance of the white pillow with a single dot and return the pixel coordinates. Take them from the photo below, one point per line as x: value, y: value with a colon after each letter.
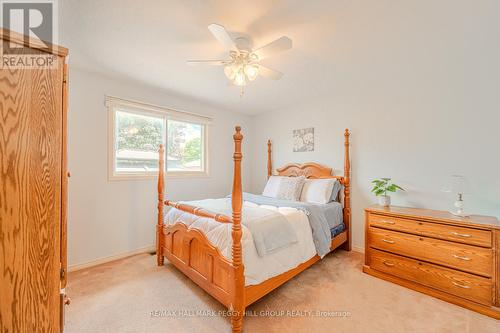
x: 318, y: 191
x: 272, y: 185
x: 290, y: 188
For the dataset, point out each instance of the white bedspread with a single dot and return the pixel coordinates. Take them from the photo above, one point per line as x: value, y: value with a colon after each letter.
x: 257, y: 268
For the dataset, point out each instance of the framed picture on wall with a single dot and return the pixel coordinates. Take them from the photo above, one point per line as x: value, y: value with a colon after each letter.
x: 303, y: 139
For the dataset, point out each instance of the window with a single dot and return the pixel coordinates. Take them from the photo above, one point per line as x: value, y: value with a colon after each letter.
x: 138, y: 129
x: 185, y: 147
x: 137, y: 140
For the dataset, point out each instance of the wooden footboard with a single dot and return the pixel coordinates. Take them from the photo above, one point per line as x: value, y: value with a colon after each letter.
x: 191, y: 252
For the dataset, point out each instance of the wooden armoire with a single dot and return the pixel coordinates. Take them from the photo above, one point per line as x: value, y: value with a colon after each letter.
x: 33, y: 187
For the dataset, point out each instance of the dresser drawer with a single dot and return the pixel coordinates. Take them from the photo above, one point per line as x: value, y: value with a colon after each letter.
x: 441, y: 231
x: 468, y: 286
x: 468, y: 258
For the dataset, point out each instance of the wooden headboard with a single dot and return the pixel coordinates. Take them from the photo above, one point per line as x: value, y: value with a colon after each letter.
x: 313, y: 170
x: 310, y: 170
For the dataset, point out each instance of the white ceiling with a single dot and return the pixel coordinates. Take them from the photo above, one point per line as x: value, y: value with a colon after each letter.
x: 150, y: 41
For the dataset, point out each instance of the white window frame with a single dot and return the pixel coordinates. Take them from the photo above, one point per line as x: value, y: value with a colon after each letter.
x: 115, y: 104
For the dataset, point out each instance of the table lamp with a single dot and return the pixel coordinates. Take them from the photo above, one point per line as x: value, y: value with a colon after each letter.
x: 458, y: 187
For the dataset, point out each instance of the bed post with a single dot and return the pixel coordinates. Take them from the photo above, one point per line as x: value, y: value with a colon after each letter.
x: 269, y: 159
x: 347, y: 192
x: 238, y: 304
x: 161, y: 190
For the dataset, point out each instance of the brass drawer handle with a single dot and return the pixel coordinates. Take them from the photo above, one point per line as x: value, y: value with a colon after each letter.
x: 386, y: 222
x: 460, y: 235
x: 460, y: 285
x: 388, y: 263
x: 461, y: 257
x: 387, y: 241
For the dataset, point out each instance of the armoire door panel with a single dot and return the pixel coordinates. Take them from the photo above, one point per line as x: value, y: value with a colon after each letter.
x: 30, y: 198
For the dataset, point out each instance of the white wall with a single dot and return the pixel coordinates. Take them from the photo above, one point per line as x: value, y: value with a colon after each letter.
x: 108, y: 218
x: 419, y: 88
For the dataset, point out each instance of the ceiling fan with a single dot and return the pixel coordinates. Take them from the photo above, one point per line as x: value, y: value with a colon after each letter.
x: 244, y: 63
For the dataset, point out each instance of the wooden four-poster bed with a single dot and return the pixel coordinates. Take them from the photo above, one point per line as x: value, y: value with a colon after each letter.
x: 191, y: 252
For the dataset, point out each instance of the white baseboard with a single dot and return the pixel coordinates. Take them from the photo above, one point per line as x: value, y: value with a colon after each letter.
x: 358, y: 249
x: 103, y: 260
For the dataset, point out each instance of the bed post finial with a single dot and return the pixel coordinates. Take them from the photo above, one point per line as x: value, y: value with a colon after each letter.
x: 238, y: 303
x: 347, y: 191
x: 161, y: 191
x: 269, y: 159
x: 347, y: 163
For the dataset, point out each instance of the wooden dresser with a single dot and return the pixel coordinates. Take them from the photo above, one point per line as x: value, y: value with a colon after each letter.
x: 437, y: 253
x: 33, y: 186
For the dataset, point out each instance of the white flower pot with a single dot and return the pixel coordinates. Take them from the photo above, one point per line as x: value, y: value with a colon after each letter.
x: 384, y: 200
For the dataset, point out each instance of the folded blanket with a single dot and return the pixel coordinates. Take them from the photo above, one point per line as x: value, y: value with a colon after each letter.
x: 322, y: 218
x: 270, y: 230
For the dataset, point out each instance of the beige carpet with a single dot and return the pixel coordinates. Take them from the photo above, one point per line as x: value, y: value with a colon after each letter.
x: 134, y: 295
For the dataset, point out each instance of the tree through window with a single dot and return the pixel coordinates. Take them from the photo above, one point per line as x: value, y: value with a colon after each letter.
x: 136, y: 138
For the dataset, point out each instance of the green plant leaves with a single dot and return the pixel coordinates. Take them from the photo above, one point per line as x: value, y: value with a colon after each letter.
x: 384, y: 185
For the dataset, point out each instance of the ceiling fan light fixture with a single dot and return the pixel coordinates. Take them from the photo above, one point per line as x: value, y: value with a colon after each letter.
x: 251, y: 71
x: 243, y: 65
x: 230, y: 71
x: 253, y: 57
x: 240, y: 78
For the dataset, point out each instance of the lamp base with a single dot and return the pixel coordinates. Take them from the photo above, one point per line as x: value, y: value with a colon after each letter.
x: 460, y: 214
x: 459, y: 207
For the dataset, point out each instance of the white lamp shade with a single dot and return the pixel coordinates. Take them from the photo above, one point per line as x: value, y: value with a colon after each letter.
x: 240, y: 79
x: 229, y: 72
x: 251, y: 71
x: 456, y: 184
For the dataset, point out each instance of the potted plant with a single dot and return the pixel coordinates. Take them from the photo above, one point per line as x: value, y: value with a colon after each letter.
x: 381, y: 187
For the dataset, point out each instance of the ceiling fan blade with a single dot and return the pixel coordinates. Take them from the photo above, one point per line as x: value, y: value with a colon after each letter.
x: 269, y: 73
x: 222, y: 36
x: 208, y: 62
x: 279, y: 45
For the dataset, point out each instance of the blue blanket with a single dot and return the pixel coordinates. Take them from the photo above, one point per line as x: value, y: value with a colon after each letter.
x: 322, y: 218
